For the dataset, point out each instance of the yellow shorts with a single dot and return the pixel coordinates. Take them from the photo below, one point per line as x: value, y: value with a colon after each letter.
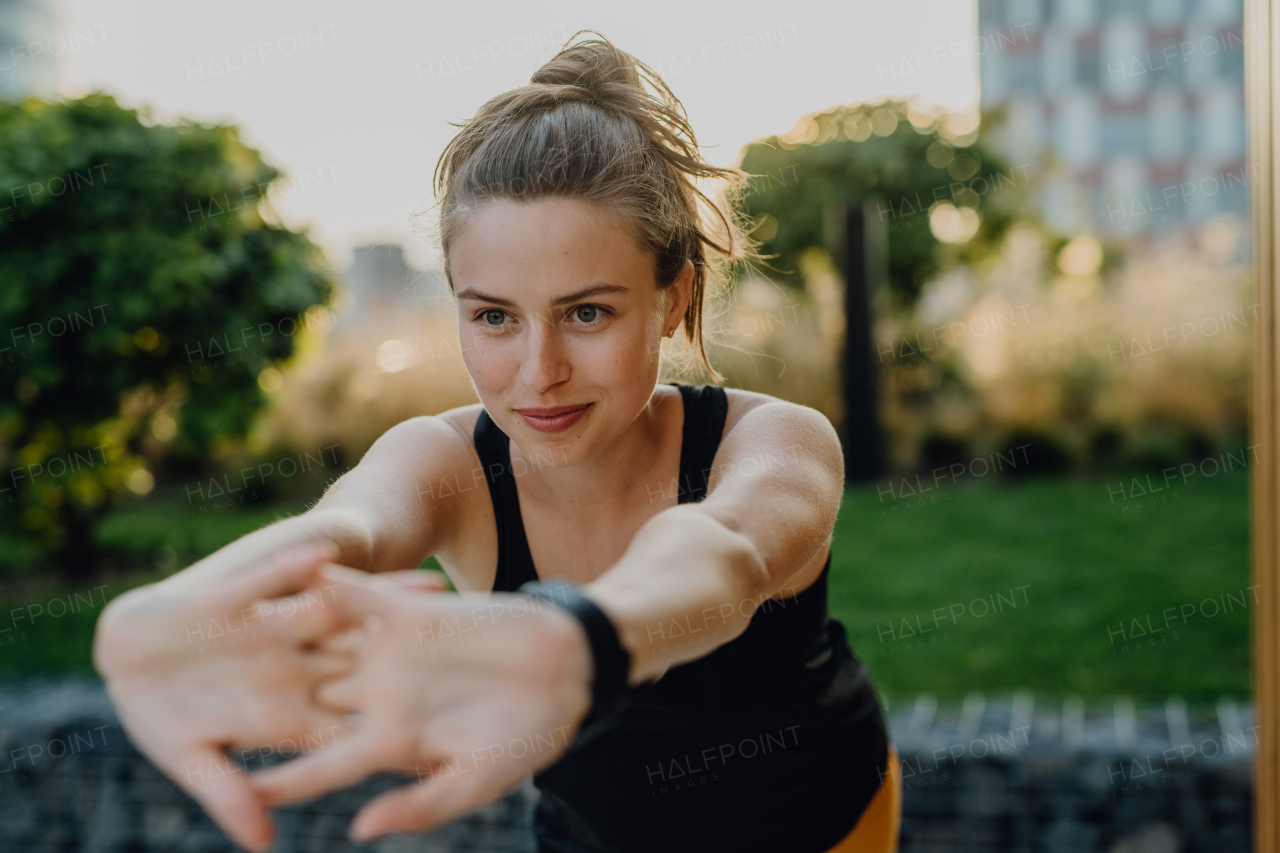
x: 877, y: 829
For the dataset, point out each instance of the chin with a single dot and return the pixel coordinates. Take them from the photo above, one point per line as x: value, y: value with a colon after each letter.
x: 551, y: 451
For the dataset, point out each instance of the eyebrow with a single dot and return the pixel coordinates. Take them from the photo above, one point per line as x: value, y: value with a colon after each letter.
x: 586, y: 292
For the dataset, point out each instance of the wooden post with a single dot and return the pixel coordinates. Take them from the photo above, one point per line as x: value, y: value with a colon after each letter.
x: 1262, y: 36
x: 861, y: 258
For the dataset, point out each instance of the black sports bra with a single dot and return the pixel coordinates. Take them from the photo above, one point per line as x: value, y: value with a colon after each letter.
x: 773, y: 741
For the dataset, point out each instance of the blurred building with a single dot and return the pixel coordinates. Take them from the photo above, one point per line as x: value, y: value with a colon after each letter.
x: 381, y: 285
x: 30, y: 47
x: 1130, y: 111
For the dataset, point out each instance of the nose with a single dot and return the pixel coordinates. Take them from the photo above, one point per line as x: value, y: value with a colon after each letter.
x: 544, y: 361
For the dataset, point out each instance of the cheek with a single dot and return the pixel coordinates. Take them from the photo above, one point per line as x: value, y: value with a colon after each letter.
x: 487, y: 360
x: 622, y: 349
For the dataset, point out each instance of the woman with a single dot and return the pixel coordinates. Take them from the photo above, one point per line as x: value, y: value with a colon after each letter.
x: 682, y: 687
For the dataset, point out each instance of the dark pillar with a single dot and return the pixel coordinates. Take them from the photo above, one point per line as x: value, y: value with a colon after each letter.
x: 861, y: 256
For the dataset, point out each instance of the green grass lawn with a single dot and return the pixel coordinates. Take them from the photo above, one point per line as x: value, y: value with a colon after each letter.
x: 928, y: 592
x: 993, y: 586
x: 49, y: 627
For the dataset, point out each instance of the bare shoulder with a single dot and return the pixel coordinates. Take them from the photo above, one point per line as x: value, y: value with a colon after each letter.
x: 774, y: 409
x: 741, y: 402
x: 763, y: 424
x: 428, y: 442
x: 393, y: 490
x: 463, y: 420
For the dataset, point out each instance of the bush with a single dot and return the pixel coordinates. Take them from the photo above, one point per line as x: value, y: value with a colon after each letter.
x: 1035, y: 453
x: 940, y: 450
x: 135, y: 261
x: 1154, y: 449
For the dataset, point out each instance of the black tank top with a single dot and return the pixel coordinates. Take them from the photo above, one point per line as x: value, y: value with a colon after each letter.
x: 772, y: 742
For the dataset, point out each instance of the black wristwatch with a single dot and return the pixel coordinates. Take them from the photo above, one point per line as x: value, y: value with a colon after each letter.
x: 612, y: 662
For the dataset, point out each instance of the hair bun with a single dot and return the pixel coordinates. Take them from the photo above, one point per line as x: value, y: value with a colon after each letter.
x: 609, y: 74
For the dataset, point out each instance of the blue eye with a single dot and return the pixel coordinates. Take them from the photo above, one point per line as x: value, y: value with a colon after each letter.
x: 487, y: 313
x: 598, y: 313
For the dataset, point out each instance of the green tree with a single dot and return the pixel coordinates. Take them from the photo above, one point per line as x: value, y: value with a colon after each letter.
x: 861, y: 153
x: 144, y: 289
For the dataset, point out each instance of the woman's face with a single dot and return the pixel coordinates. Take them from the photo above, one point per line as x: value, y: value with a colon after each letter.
x: 558, y: 308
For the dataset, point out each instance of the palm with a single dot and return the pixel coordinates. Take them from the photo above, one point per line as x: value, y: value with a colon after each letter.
x: 449, y: 705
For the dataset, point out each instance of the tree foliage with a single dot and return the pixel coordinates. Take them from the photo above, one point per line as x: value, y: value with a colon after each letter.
x: 904, y: 164
x: 143, y: 290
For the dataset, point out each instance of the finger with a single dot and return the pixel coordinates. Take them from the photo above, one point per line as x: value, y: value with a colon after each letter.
x: 285, y: 573
x: 342, y: 642
x: 315, y: 729
x: 325, y: 728
x: 324, y: 666
x: 332, y: 768
x: 430, y: 804
x: 224, y: 790
x: 354, y: 593
x: 342, y: 695
x: 306, y: 617
x: 424, y: 580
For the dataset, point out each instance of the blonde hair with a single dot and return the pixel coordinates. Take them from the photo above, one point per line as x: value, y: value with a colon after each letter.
x: 596, y: 124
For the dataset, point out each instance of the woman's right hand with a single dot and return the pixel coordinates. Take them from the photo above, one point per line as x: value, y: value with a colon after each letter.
x: 195, y: 669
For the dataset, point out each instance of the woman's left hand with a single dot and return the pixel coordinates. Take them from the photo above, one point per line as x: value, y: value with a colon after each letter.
x: 468, y: 695
x: 196, y: 668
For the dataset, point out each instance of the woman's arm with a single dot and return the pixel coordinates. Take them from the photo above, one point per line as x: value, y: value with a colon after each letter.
x: 377, y: 514
x: 371, y: 519
x: 205, y: 660
x: 773, y: 496
x: 449, y: 686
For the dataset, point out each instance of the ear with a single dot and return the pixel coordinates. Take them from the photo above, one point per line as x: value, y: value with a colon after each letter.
x: 679, y: 295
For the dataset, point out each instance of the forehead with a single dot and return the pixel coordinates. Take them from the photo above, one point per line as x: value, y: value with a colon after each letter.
x: 505, y: 243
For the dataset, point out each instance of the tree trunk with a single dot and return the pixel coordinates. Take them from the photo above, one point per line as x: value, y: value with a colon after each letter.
x: 78, y: 556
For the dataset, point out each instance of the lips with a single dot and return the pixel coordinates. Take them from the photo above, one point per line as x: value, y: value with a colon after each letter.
x: 553, y: 411
x: 553, y: 419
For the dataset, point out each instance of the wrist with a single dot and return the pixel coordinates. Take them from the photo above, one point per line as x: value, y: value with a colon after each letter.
x: 609, y: 661
x: 562, y: 647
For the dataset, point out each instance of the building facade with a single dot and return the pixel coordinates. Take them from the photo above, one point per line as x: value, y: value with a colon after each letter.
x: 380, y: 284
x: 1131, y: 112
x: 30, y: 48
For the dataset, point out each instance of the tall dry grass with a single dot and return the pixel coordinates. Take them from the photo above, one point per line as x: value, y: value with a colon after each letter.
x: 1017, y: 345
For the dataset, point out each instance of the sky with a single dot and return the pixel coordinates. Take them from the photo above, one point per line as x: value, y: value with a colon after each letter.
x: 355, y: 100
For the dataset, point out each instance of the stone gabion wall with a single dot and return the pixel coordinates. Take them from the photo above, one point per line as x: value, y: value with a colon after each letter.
x: 1022, y: 775
x: 1007, y: 775
x: 70, y: 780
